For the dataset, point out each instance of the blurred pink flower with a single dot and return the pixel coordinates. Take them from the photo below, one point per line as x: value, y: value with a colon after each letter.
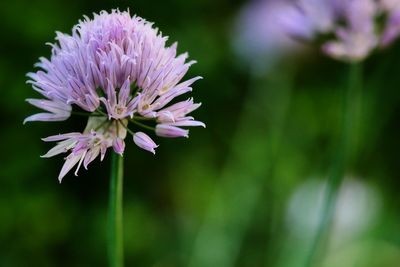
x: 116, y: 69
x: 392, y: 29
x: 351, y: 29
x: 259, y: 35
x: 355, y: 40
x: 305, y: 18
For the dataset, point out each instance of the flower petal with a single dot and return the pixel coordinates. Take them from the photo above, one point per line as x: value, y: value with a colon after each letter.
x: 60, y: 137
x: 188, y: 123
x: 91, y: 155
x: 70, y: 162
x: 47, y: 117
x: 118, y: 145
x: 61, y: 147
x: 50, y: 105
x: 143, y: 141
x: 165, y: 130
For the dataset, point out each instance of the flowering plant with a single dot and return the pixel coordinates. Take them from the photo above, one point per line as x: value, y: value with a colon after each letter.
x: 349, y: 30
x: 117, y: 70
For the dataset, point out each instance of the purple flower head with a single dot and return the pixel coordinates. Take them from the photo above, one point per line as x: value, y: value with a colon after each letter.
x: 351, y: 29
x: 117, y: 70
x: 307, y: 18
x: 358, y: 37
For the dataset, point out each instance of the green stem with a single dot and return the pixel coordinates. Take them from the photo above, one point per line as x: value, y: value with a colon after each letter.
x: 87, y: 114
x: 115, y: 230
x: 101, y: 112
x: 236, y: 212
x: 139, y: 118
x: 346, y: 146
x: 142, y: 125
x: 127, y: 129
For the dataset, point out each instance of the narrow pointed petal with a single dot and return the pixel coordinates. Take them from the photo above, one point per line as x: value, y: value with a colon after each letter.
x: 165, y: 116
x: 92, y: 102
x: 143, y: 141
x: 123, y: 94
x: 90, y: 156
x: 118, y: 145
x: 70, y: 162
x: 165, y: 130
x: 167, y: 97
x: 103, y: 150
x: 49, y: 105
x: 183, y: 108
x: 47, y: 117
x: 188, y: 123
x: 61, y: 147
x: 111, y: 95
x: 189, y: 82
x: 60, y: 137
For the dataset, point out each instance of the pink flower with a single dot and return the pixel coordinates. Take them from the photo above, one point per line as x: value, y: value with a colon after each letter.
x: 259, y: 36
x: 359, y: 37
x: 351, y: 29
x: 117, y: 70
x: 392, y: 27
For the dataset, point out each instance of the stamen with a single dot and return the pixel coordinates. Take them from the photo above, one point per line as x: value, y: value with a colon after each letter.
x: 80, y: 163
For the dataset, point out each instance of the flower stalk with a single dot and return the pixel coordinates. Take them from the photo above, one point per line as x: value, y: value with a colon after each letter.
x: 115, y: 230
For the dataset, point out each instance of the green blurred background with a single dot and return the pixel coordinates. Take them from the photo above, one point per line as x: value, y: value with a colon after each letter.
x: 245, y: 191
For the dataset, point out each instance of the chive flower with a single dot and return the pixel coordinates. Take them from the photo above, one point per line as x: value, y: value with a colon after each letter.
x: 348, y: 30
x: 118, y: 71
x: 259, y: 37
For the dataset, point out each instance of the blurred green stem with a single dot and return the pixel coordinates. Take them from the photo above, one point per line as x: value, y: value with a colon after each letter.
x: 115, y: 230
x: 247, y: 170
x: 346, y: 147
